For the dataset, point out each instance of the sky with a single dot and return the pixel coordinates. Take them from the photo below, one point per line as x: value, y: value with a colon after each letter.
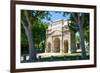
x: 56, y: 16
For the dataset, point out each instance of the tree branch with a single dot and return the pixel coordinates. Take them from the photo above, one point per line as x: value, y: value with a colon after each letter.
x: 78, y: 19
x: 82, y: 19
x: 22, y: 22
x: 74, y: 17
x: 27, y: 18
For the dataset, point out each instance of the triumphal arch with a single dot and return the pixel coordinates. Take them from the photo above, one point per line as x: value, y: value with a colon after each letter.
x: 58, y: 37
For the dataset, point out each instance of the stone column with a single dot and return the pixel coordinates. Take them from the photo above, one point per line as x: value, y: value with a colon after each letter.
x: 69, y: 43
x: 61, y: 45
x: 52, y: 44
x: 46, y: 46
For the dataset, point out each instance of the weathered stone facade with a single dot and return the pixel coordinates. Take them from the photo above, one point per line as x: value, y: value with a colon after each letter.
x: 58, y: 37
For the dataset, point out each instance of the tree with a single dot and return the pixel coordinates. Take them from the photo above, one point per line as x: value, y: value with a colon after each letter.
x: 28, y: 19
x: 79, y: 21
x: 28, y: 31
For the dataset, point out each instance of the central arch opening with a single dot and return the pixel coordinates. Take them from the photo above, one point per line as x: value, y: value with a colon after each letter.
x: 56, y: 45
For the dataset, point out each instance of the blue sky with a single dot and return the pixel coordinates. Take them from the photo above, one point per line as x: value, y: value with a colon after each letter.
x: 56, y: 16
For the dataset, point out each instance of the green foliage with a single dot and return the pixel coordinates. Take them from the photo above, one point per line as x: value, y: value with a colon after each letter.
x: 86, y: 27
x: 38, y: 29
x: 24, y: 42
x: 73, y: 26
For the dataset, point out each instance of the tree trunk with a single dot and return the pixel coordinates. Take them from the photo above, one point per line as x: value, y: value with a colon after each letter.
x: 32, y: 51
x: 28, y: 32
x: 82, y: 42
